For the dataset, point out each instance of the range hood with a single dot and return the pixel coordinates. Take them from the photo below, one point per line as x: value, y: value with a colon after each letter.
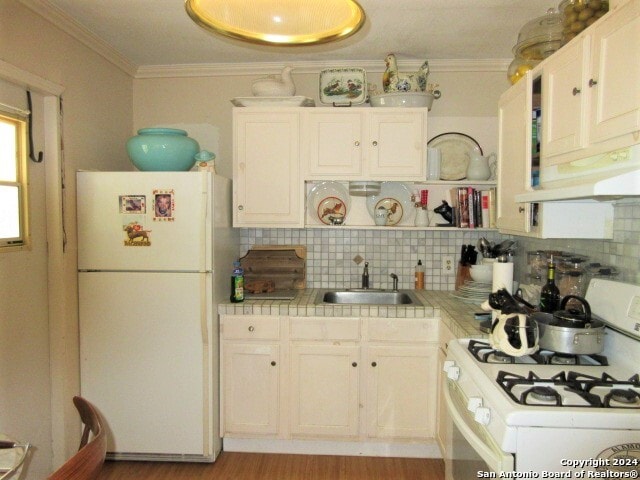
x: 602, y: 177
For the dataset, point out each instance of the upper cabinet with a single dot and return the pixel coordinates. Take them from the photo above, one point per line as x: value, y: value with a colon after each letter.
x: 591, y: 92
x: 276, y: 149
x: 365, y: 144
x: 267, y: 190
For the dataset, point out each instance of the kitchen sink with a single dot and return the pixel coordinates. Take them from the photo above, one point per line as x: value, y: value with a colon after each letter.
x: 367, y: 297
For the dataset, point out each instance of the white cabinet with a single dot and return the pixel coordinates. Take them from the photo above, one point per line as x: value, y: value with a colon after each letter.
x: 562, y: 219
x: 365, y: 143
x: 267, y: 187
x: 400, y: 375
x: 615, y: 69
x: 250, y: 375
x: 514, y: 147
x: 324, y: 390
x: 327, y: 378
x: 564, y: 103
x: 591, y: 90
x: 401, y: 391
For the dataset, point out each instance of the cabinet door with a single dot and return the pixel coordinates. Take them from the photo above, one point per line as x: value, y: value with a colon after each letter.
x: 401, y: 391
x: 514, y: 152
x: 616, y: 69
x: 396, y: 148
x: 333, y: 142
x: 266, y: 182
x: 564, y: 101
x: 250, y: 377
x: 324, y: 390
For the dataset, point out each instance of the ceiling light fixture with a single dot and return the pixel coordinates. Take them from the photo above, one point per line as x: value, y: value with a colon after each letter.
x: 279, y: 22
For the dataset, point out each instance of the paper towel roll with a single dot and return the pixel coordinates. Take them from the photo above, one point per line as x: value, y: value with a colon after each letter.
x: 502, y: 276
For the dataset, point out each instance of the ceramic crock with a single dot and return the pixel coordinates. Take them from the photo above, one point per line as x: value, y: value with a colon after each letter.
x: 162, y: 150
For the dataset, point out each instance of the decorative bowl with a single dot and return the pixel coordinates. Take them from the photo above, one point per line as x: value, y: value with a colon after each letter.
x: 481, y: 273
x: 162, y: 150
x: 404, y: 99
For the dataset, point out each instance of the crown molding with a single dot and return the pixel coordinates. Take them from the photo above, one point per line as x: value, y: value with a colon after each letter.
x: 371, y: 66
x: 60, y: 19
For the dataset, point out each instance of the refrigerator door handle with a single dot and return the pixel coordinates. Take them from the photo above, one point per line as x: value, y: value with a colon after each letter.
x: 204, y: 311
x: 204, y: 213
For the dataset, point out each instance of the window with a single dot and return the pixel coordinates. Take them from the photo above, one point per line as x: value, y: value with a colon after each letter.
x: 13, y: 180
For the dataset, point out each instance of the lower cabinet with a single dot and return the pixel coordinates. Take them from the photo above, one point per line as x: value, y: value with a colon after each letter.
x: 324, y: 381
x: 251, y: 398
x: 401, y: 391
x: 329, y: 378
x: 250, y: 377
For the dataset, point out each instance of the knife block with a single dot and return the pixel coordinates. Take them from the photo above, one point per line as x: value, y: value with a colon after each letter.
x: 463, y: 274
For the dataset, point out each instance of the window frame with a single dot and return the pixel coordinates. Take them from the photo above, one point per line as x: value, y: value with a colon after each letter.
x: 22, y: 181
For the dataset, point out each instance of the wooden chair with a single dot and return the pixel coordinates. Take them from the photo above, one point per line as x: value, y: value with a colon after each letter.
x: 87, y: 463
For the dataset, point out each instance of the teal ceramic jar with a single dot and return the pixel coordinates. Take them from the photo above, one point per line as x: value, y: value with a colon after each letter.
x: 162, y: 150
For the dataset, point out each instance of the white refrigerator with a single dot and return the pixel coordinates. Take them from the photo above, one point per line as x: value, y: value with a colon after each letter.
x: 155, y: 253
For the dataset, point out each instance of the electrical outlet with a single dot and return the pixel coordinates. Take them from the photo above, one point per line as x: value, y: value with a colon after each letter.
x: 447, y: 265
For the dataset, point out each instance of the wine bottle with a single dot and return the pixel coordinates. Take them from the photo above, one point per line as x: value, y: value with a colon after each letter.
x: 550, y: 294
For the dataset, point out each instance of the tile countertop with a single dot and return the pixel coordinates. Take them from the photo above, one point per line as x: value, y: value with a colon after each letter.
x: 456, y: 315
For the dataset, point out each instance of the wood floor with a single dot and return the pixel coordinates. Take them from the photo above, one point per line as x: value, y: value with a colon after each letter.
x: 258, y: 466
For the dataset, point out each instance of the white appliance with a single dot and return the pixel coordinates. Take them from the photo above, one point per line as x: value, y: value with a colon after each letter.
x: 572, y: 416
x: 155, y: 250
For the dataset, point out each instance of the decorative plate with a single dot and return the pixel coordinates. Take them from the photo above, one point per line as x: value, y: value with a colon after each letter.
x: 328, y: 203
x: 343, y: 86
x: 455, y: 151
x: 390, y: 193
x: 394, y: 207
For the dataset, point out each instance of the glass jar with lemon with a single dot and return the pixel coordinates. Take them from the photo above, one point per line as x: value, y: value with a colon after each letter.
x: 537, y: 39
x: 579, y: 14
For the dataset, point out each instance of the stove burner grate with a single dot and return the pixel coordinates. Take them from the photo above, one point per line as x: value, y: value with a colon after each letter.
x: 547, y: 391
x: 483, y: 352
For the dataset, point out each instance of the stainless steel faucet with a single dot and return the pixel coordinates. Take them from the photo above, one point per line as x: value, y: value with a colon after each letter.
x: 365, y: 276
x: 395, y: 281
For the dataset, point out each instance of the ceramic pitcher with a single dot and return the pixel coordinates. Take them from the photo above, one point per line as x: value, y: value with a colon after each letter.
x: 479, y: 166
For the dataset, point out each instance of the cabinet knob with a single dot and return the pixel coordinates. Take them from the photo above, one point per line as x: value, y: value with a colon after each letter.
x: 521, y: 209
x: 592, y: 82
x: 356, y: 143
x: 374, y: 143
x: 240, y: 207
x: 354, y: 364
x: 575, y: 91
x: 374, y: 364
x: 251, y: 328
x: 273, y: 363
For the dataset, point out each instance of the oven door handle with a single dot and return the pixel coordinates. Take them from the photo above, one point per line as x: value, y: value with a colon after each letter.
x: 494, y: 457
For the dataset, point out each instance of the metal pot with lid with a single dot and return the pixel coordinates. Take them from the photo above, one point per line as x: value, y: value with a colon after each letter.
x: 571, y: 331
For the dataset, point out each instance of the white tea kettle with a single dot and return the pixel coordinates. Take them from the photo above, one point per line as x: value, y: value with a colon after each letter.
x: 480, y: 168
x: 512, y: 331
x: 514, y: 334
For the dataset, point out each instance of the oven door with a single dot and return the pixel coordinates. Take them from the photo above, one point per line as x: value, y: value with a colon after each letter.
x: 472, y: 449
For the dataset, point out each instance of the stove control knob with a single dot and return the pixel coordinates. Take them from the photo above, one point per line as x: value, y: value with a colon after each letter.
x: 447, y: 365
x: 453, y: 373
x: 482, y: 415
x: 474, y: 403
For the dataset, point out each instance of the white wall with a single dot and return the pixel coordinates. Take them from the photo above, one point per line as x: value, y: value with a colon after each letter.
x: 36, y: 385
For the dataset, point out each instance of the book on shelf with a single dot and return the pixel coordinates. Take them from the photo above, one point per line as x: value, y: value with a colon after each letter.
x: 473, y: 208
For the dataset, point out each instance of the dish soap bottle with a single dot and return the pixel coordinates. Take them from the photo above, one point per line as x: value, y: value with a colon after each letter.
x: 550, y: 294
x: 419, y: 284
x: 237, y: 283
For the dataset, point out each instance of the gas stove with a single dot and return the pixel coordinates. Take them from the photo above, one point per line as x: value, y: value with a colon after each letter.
x: 571, y: 406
